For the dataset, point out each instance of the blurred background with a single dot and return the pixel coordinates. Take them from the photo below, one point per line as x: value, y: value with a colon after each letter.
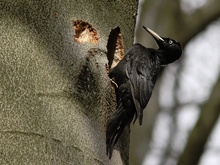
x: 181, y: 122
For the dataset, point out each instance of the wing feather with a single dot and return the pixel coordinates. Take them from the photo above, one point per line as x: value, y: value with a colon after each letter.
x: 142, y: 74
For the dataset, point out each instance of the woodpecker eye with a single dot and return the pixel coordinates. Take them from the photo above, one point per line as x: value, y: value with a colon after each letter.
x: 170, y: 42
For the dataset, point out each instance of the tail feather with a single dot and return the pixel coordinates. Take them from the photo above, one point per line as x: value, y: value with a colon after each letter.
x: 116, y: 126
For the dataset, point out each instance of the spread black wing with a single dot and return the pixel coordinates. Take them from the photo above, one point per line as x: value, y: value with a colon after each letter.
x: 142, y: 69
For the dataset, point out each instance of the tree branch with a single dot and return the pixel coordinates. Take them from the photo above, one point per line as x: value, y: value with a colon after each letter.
x: 199, y: 135
x: 199, y: 20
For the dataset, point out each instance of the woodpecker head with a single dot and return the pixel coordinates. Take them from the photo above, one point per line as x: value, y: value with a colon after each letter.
x: 172, y: 49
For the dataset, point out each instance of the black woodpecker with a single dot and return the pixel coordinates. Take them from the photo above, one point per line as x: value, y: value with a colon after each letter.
x: 135, y: 76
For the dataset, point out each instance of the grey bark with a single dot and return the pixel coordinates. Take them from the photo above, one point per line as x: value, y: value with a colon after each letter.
x: 55, y: 95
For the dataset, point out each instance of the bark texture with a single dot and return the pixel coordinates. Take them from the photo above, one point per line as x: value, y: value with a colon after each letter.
x: 55, y: 95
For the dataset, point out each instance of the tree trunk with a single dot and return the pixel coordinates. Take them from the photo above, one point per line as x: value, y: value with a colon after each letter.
x: 55, y: 95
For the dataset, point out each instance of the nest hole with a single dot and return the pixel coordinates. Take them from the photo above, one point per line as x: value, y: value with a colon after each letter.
x: 115, y: 50
x: 84, y: 32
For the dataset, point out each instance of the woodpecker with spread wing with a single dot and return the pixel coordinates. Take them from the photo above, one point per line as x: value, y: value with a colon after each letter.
x: 135, y: 76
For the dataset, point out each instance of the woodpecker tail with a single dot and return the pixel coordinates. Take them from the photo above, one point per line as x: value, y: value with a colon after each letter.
x: 115, y: 127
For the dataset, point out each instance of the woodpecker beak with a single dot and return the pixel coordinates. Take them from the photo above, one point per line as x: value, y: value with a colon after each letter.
x: 153, y: 34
